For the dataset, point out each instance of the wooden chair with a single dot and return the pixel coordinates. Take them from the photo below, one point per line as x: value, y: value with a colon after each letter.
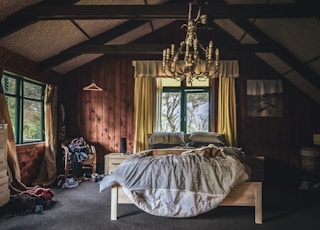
x: 89, y: 163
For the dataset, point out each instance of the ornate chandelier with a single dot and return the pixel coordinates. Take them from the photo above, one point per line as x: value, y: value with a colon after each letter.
x: 192, y: 66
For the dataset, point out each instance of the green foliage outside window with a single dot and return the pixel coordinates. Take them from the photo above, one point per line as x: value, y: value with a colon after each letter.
x: 184, y: 107
x: 26, y: 108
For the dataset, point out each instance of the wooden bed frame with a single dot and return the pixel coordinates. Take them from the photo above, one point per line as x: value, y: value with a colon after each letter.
x: 244, y: 194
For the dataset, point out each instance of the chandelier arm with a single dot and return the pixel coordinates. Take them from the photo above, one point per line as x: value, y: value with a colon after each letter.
x: 189, y: 14
x: 201, y: 46
x: 198, y: 15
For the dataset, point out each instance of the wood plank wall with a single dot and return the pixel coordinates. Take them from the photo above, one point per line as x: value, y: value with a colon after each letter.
x: 30, y: 159
x: 104, y: 117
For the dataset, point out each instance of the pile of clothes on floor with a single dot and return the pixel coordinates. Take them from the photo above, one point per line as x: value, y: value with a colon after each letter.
x: 34, y: 200
x: 70, y: 182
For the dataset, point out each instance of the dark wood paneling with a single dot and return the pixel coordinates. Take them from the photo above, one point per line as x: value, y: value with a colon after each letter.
x: 30, y: 158
x: 102, y: 118
x: 277, y: 138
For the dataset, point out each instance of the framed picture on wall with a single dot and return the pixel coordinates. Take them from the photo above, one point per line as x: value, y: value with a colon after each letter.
x: 264, y: 98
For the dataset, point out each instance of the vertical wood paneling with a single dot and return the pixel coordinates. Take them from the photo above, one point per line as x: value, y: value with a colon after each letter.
x: 117, y: 108
x: 123, y: 99
x: 112, y: 105
x: 99, y: 108
x: 104, y: 117
x: 277, y: 138
x: 105, y: 106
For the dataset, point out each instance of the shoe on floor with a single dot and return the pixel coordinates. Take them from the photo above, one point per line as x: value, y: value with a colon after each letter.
x: 70, y: 183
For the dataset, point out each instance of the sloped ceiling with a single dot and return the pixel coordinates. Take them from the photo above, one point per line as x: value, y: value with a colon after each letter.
x: 62, y: 35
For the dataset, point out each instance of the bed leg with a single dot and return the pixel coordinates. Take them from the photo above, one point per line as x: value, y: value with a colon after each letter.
x: 258, y: 204
x: 114, y: 202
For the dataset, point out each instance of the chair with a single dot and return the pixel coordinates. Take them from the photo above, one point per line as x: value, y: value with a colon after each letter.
x: 89, y: 164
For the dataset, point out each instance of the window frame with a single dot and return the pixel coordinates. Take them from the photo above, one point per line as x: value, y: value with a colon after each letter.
x: 19, y: 97
x: 183, y: 89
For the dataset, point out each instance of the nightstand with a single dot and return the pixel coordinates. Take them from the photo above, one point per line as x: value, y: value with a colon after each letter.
x: 112, y: 161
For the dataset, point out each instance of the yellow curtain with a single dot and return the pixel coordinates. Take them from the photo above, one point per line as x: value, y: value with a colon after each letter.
x: 227, y: 114
x: 15, y: 183
x: 48, y: 168
x: 146, y: 94
x: 143, y: 111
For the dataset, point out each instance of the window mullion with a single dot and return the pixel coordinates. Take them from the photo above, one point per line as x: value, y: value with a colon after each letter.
x: 183, y: 111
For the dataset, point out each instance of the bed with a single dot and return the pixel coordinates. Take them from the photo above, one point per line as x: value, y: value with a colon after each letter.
x: 173, y: 182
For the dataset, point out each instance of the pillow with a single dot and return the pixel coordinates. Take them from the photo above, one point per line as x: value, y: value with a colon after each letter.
x: 168, y: 138
x: 208, y: 137
x: 202, y: 144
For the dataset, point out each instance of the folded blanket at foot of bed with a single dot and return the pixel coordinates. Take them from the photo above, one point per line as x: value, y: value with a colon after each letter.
x: 183, y: 184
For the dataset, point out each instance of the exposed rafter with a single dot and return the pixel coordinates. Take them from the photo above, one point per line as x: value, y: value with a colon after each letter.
x: 98, y: 40
x: 280, y: 51
x: 141, y: 14
x: 156, y: 49
x: 48, y: 11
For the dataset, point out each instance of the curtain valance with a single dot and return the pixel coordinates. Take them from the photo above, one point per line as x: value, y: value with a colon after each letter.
x: 229, y: 68
x: 153, y: 68
x: 148, y: 68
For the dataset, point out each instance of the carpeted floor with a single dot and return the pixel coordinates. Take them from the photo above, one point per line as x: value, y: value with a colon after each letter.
x: 83, y: 207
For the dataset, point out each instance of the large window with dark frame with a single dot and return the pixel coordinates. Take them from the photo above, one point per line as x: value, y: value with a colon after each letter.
x: 184, y: 106
x: 25, y: 99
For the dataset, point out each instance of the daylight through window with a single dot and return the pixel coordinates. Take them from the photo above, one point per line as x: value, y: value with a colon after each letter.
x: 185, y: 107
x: 26, y: 107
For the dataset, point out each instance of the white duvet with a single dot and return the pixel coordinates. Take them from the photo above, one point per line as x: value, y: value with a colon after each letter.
x: 178, y: 185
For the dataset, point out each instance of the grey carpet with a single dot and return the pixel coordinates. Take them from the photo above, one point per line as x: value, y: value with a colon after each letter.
x: 84, y: 207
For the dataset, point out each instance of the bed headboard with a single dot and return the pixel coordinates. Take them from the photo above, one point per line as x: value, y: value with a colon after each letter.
x: 174, y: 139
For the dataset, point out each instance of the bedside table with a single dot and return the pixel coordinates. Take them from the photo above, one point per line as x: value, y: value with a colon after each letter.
x: 112, y: 161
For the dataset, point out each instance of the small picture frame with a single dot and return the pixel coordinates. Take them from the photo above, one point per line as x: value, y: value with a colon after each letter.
x: 264, y: 98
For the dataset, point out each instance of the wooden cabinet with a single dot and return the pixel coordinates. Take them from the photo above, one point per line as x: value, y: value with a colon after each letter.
x: 4, y: 179
x: 112, y: 161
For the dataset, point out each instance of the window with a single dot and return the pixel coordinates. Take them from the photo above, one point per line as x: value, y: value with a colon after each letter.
x: 26, y: 107
x: 185, y: 107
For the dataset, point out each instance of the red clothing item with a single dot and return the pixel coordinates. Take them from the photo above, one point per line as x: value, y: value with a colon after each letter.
x: 40, y: 192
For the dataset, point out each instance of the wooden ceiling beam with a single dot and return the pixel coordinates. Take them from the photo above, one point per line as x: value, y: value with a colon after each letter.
x: 98, y: 40
x: 49, y: 11
x: 169, y: 11
x: 156, y: 49
x: 280, y: 51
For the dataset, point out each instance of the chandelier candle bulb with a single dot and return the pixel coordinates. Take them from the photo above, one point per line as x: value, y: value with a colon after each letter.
x: 172, y: 50
x: 164, y: 56
x: 210, y: 44
x: 217, y: 54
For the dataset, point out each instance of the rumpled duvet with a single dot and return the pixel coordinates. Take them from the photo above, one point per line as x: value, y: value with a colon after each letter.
x: 178, y: 185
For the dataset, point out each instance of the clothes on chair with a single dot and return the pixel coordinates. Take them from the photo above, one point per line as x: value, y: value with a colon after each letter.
x: 80, y: 151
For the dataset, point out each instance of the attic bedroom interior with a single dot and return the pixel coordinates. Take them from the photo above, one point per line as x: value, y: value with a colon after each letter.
x: 100, y: 77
